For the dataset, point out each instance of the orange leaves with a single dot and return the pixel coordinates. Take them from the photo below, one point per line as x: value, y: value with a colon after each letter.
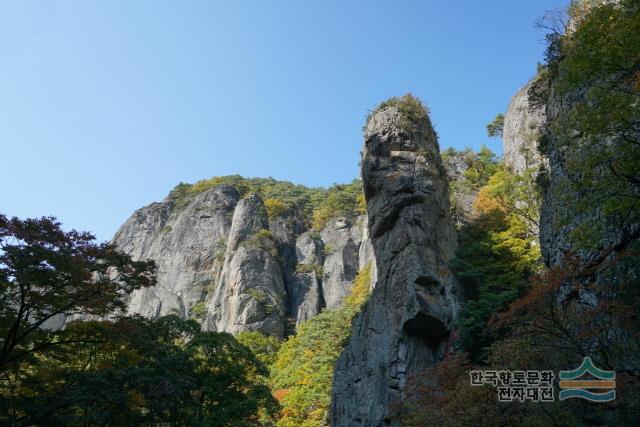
x: 281, y: 394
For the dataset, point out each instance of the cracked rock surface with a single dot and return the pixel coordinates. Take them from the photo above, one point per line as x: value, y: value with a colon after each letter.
x: 223, y: 262
x: 405, y: 325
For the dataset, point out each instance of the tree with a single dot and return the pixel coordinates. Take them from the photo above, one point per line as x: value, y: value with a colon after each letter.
x: 46, y: 273
x: 552, y: 326
x: 594, y: 71
x: 498, y: 251
x: 162, y: 371
x: 517, y: 195
x: 264, y: 347
x: 302, y: 373
x: 339, y: 200
x: 481, y: 166
x: 496, y: 127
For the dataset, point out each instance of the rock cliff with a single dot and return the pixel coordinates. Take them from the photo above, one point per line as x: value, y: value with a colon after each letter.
x: 563, y: 210
x: 224, y: 262
x: 405, y: 325
x: 185, y: 244
x: 522, y: 127
x: 250, y: 294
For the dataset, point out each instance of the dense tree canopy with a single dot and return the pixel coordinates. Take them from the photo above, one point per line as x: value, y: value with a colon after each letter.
x: 112, y: 370
x: 302, y: 373
x: 46, y: 274
x: 497, y: 252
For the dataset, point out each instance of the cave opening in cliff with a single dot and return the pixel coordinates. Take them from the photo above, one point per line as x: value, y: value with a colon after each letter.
x: 424, y: 335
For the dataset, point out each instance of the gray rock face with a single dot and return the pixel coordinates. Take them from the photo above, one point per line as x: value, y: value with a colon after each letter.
x: 341, y: 259
x: 222, y: 262
x: 522, y: 126
x: 405, y: 325
x: 184, y: 244
x: 305, y: 294
x: 250, y: 295
x: 560, y: 214
x: 461, y: 196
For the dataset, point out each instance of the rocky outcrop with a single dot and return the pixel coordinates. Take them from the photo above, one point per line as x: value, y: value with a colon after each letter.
x: 306, y: 293
x: 186, y: 245
x: 522, y: 127
x: 461, y: 196
x: 562, y: 210
x: 405, y: 325
x: 250, y: 295
x: 224, y: 263
x: 341, y: 259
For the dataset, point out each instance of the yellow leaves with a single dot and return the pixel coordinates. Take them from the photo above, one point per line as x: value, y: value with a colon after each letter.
x: 340, y: 200
x: 303, y: 371
x: 486, y: 203
x: 321, y: 217
x: 275, y: 207
x: 360, y: 289
x: 281, y: 394
x: 361, y: 204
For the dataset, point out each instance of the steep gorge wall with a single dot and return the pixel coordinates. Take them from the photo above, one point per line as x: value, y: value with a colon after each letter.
x: 562, y: 212
x: 405, y: 325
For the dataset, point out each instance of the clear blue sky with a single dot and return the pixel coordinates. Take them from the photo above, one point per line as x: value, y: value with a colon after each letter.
x: 106, y: 105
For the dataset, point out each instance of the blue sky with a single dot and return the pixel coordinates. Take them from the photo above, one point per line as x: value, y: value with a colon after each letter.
x: 106, y: 105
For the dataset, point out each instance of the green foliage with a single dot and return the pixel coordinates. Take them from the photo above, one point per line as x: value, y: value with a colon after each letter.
x: 125, y: 371
x: 411, y: 110
x: 262, y: 240
x: 340, y: 200
x: 258, y: 294
x: 303, y: 371
x: 469, y: 171
x: 46, y: 273
x: 221, y: 248
x: 518, y: 195
x: 199, y: 311
x: 480, y: 166
x: 263, y: 234
x: 316, y: 206
x: 477, y: 166
x: 285, y: 195
x: 264, y: 347
x: 495, y: 128
x: 305, y: 268
x: 596, y: 70
x: 497, y: 252
x: 139, y: 371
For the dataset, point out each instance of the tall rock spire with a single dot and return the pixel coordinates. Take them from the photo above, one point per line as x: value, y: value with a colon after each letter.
x: 406, y: 324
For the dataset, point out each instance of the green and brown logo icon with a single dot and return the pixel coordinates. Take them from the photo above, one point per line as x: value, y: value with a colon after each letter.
x: 572, y: 385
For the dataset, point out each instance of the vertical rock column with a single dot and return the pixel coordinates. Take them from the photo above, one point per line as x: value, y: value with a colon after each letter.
x: 405, y: 325
x: 250, y: 295
x: 522, y: 126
